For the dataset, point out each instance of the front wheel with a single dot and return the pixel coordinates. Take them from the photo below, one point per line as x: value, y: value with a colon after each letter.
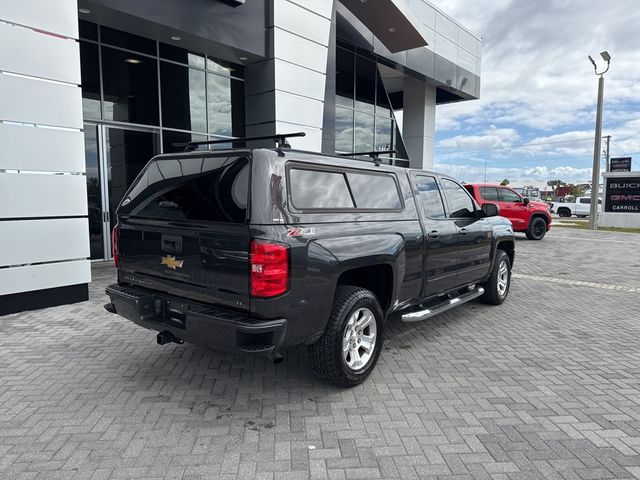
x: 496, y: 288
x: 537, y: 229
x: 349, y: 349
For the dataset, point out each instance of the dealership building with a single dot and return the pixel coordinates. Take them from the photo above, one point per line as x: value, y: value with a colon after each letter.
x: 91, y: 90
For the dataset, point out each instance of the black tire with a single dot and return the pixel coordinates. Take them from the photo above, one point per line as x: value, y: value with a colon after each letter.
x: 326, y: 355
x: 564, y: 212
x: 537, y: 229
x: 493, y: 295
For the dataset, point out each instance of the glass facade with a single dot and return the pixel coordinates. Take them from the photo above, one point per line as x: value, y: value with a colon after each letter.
x: 183, y: 95
x: 364, y: 121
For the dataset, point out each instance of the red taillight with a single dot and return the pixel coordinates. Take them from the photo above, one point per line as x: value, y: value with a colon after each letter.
x: 269, y: 269
x: 114, y: 248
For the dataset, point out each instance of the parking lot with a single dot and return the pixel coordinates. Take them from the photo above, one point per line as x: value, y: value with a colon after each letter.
x: 545, y: 386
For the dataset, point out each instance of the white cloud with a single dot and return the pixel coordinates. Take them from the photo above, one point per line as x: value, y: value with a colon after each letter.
x: 535, y: 70
x: 540, y: 173
x: 490, y: 138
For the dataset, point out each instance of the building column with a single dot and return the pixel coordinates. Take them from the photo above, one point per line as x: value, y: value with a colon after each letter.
x: 285, y: 93
x: 418, y: 122
x: 43, y: 194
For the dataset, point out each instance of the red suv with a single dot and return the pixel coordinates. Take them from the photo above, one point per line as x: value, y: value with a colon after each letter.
x: 527, y: 216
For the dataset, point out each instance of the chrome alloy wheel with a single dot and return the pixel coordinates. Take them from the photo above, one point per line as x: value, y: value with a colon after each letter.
x: 359, y: 339
x: 503, y: 278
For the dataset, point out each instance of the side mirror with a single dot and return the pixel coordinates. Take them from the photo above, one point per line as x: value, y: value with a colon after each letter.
x: 525, y: 201
x: 490, y: 209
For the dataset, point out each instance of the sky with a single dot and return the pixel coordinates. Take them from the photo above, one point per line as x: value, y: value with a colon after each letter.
x: 535, y: 118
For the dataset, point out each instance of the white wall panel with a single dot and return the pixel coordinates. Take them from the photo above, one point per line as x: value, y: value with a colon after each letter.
x: 42, y: 195
x: 301, y: 21
x: 300, y: 51
x: 299, y: 80
x: 43, y: 149
x: 300, y: 110
x: 321, y: 7
x: 36, y: 101
x: 39, y: 277
x: 35, y: 241
x: 57, y: 16
x: 39, y: 54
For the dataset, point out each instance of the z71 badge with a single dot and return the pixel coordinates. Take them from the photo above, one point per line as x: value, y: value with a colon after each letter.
x: 301, y: 231
x: 171, y: 262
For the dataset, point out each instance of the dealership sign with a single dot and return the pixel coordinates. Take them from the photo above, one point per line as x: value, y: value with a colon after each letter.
x: 621, y: 164
x: 623, y: 195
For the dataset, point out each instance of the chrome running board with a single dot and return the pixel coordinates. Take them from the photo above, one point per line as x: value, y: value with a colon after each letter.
x: 419, y: 315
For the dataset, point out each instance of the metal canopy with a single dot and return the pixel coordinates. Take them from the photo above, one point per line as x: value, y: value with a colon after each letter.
x: 390, y: 21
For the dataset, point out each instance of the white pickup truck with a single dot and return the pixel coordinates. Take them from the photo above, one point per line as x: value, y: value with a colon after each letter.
x: 581, y: 207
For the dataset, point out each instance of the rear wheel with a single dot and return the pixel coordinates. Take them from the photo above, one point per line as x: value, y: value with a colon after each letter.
x: 349, y: 349
x: 537, y: 229
x: 564, y: 212
x: 496, y: 288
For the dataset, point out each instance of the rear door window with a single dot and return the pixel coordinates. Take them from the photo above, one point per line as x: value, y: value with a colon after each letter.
x: 430, y: 196
x: 210, y: 189
x: 489, y: 193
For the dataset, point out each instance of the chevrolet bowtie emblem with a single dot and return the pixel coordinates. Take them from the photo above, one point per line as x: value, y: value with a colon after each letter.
x: 171, y: 262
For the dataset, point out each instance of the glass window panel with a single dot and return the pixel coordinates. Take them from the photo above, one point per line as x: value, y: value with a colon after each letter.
x: 508, y: 195
x: 237, y: 108
x: 169, y: 137
x: 374, y: 191
x: 90, y: 71
x: 130, y: 85
x: 183, y: 97
x: 216, y: 190
x: 313, y: 189
x: 225, y: 99
x: 365, y: 84
x: 181, y: 55
x: 344, y: 130
x: 94, y: 193
x: 121, y: 39
x: 459, y: 200
x: 489, y: 193
x: 384, y: 127
x: 344, y: 78
x: 430, y: 196
x: 383, y: 107
x: 363, y: 132
x: 222, y: 67
x: 88, y: 30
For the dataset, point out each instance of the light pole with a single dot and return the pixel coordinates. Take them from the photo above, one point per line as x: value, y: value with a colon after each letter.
x: 595, y: 176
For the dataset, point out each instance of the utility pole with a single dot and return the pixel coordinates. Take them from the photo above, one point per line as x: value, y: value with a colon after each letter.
x: 608, y: 167
x: 595, y: 177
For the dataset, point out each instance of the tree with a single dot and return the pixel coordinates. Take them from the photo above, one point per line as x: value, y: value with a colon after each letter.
x: 576, y: 191
x: 505, y: 182
x: 555, y: 183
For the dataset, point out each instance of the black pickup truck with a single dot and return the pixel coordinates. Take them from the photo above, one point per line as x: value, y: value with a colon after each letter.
x: 257, y: 250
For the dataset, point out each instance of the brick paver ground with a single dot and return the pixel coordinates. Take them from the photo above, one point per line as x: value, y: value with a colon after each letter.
x: 545, y: 386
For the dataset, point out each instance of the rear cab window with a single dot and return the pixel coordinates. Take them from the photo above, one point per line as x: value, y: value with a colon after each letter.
x: 207, y: 188
x: 342, y: 189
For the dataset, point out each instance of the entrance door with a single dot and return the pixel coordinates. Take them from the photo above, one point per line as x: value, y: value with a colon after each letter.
x: 114, y: 156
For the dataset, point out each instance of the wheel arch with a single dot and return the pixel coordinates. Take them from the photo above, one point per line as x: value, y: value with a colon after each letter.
x: 376, y: 278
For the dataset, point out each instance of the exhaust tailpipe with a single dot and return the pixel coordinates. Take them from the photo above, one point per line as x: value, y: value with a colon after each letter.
x: 275, y: 357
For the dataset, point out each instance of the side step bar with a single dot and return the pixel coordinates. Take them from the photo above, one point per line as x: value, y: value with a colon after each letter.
x: 419, y: 315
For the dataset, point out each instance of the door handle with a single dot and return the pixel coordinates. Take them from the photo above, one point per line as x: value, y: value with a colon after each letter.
x: 433, y: 234
x: 463, y: 231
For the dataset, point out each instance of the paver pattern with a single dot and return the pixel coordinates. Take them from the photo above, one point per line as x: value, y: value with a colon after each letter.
x: 545, y: 386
